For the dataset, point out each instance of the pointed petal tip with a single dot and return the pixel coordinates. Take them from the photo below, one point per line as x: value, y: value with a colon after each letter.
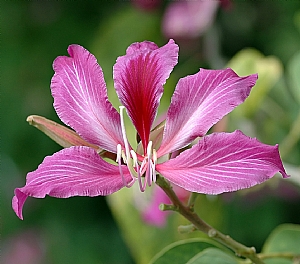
x: 80, y: 98
x: 74, y: 171
x: 200, y: 101
x: 139, y: 77
x: 223, y: 162
x: 72, y: 47
x: 18, y: 202
x: 281, y: 168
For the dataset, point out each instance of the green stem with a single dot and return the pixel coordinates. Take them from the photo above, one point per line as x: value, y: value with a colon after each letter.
x: 189, y: 214
x: 192, y: 200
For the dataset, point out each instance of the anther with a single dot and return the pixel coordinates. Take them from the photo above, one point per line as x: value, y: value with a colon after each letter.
x: 119, y: 152
x: 149, y: 148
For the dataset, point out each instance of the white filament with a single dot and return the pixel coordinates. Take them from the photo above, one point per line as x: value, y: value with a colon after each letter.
x: 147, y: 166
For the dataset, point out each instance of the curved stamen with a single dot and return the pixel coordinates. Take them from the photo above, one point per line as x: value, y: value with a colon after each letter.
x: 149, y: 167
x: 138, y: 170
x: 119, y: 153
x: 154, y: 158
x: 141, y: 184
x: 134, y: 157
x: 124, y: 132
x: 119, y: 160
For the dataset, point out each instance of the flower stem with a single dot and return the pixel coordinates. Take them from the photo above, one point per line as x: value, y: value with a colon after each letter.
x: 189, y: 214
x: 192, y: 200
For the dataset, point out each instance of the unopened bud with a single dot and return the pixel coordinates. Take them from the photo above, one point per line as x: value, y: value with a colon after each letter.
x: 60, y: 134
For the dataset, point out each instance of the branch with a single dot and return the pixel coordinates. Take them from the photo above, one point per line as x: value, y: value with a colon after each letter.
x: 189, y: 214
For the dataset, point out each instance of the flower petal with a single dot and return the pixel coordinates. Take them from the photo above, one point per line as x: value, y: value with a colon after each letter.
x: 71, y: 172
x: 80, y: 99
x: 200, y: 101
x: 152, y: 215
x: 188, y: 19
x: 223, y: 162
x: 139, y: 78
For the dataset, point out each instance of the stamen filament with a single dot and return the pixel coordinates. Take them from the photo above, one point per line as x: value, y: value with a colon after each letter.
x: 147, y: 166
x: 149, y: 173
x: 134, y: 157
x: 124, y: 132
x: 119, y: 152
x: 142, y: 186
x: 154, y: 158
x: 119, y: 160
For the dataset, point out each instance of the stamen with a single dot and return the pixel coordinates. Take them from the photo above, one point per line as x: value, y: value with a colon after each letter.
x: 119, y: 152
x: 124, y: 132
x: 141, y: 184
x: 149, y: 173
x: 149, y: 167
x: 154, y: 158
x: 144, y: 162
x: 119, y: 161
x: 134, y: 157
x: 149, y: 148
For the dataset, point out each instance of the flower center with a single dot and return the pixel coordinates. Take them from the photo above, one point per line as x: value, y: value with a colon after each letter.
x: 142, y: 169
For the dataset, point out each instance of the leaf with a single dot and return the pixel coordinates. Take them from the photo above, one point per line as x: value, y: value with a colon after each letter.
x: 286, y: 239
x: 212, y: 255
x: 293, y: 70
x: 183, y: 251
x: 269, y: 69
x: 145, y: 240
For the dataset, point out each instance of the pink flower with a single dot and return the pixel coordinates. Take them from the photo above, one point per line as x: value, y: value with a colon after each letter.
x: 152, y: 215
x: 189, y: 18
x: 220, y: 162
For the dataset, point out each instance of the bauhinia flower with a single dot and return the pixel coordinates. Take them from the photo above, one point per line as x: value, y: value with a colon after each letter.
x: 217, y: 163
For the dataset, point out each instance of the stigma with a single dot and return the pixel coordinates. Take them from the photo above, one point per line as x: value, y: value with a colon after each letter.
x: 141, y: 168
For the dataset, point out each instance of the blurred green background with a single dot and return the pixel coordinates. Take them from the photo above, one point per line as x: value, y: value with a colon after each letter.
x: 82, y: 229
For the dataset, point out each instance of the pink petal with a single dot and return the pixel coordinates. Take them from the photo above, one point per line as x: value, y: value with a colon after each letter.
x: 152, y: 214
x: 188, y: 18
x: 199, y: 102
x: 71, y: 172
x: 139, y: 78
x: 80, y: 99
x: 223, y: 162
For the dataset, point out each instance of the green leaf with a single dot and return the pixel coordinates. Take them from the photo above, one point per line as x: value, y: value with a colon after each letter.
x: 212, y: 255
x: 269, y: 69
x: 284, y: 239
x: 184, y: 251
x: 293, y: 70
